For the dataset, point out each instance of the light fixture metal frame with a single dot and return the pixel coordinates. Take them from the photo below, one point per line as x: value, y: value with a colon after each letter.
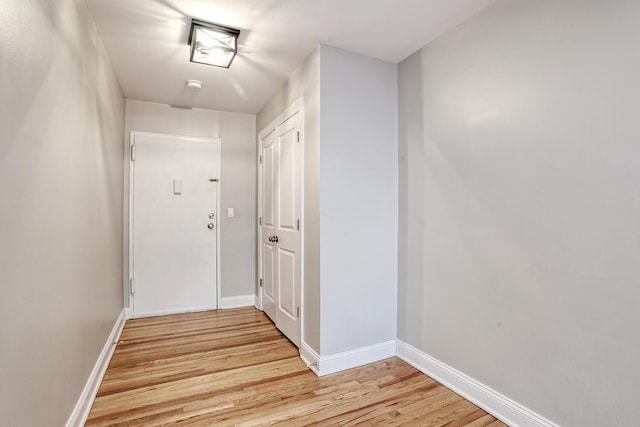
x: 220, y: 28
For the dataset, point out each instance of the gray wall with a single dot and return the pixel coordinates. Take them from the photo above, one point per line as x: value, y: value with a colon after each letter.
x: 519, y: 205
x: 61, y: 127
x: 358, y: 200
x: 305, y: 82
x: 237, y: 180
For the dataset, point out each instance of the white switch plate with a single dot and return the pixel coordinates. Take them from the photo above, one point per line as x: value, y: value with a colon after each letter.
x: 177, y: 186
x: 231, y: 212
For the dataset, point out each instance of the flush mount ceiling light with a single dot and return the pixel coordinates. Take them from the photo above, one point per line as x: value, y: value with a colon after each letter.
x: 213, y: 44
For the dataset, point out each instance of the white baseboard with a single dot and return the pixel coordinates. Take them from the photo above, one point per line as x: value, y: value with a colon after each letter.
x: 309, y: 357
x: 354, y: 358
x: 81, y: 411
x: 500, y: 406
x: 237, y: 302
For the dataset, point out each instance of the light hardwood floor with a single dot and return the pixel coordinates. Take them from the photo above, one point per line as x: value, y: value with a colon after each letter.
x: 233, y: 367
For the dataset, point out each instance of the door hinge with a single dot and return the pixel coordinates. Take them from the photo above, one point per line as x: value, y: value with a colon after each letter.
x: 298, y: 312
x: 260, y: 159
x: 132, y: 286
x: 298, y: 224
x: 298, y: 136
x: 133, y: 152
x: 260, y: 282
x: 260, y: 221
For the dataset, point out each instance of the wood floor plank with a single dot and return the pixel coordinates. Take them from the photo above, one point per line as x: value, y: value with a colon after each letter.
x: 477, y: 418
x: 445, y: 414
x: 190, y: 365
x: 234, y: 368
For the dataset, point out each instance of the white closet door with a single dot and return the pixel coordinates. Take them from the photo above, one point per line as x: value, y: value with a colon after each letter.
x: 281, y: 236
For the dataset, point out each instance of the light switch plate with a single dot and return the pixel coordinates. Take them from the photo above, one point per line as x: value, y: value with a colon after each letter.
x: 231, y: 212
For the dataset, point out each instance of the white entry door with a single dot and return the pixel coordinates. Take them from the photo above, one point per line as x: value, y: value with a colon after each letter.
x: 281, y: 268
x: 173, y: 262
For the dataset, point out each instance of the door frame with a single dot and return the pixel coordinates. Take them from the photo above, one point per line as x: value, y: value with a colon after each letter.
x: 132, y: 140
x: 296, y: 107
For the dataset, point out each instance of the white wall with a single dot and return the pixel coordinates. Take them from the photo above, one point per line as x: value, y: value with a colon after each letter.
x: 305, y: 83
x: 61, y: 127
x: 358, y: 201
x: 237, y: 180
x: 519, y: 206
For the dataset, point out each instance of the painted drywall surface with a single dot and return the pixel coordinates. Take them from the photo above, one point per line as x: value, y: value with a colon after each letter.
x: 62, y: 120
x: 525, y: 140
x: 358, y: 200
x: 410, y: 199
x: 237, y: 180
x: 305, y: 83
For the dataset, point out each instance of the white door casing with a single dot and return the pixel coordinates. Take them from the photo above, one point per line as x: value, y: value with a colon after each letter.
x: 281, y: 220
x: 269, y: 228
x: 173, y: 224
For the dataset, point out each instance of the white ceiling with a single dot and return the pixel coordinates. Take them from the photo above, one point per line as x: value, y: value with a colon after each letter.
x: 147, y: 41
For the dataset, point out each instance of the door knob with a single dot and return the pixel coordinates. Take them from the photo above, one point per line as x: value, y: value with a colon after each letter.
x: 210, y: 226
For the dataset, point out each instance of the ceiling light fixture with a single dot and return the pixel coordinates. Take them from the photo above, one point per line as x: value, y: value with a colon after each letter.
x: 212, y: 44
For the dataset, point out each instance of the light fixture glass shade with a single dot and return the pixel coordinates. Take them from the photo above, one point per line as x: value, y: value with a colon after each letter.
x: 213, y: 44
